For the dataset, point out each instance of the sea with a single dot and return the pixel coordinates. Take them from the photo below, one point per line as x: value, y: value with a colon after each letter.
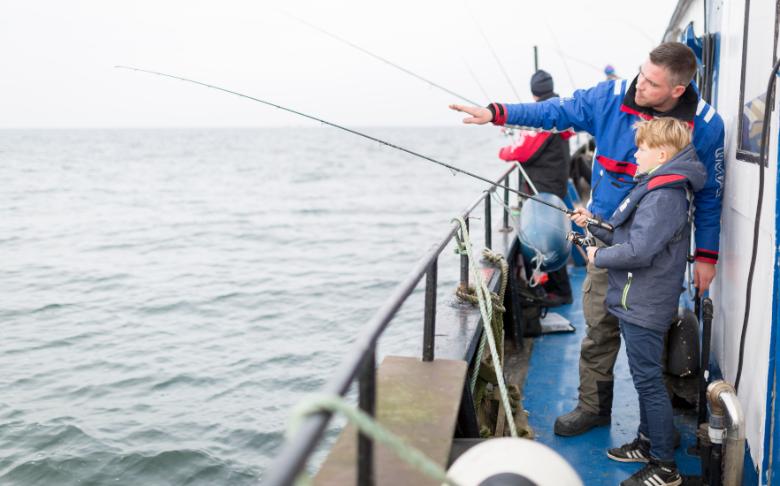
x: 167, y: 296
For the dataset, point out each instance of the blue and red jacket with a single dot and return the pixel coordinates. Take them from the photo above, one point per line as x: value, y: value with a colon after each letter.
x: 608, y: 112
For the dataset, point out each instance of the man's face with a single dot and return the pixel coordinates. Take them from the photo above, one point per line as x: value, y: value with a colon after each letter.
x: 654, y: 89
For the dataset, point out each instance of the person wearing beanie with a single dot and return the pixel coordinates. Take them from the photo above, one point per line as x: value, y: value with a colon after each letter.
x: 542, y: 84
x: 609, y: 72
x: 546, y: 158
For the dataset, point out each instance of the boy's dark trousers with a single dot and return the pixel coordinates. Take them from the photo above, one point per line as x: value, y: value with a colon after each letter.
x: 644, y: 348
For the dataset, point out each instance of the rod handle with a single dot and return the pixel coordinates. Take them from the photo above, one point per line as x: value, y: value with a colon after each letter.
x: 601, y: 224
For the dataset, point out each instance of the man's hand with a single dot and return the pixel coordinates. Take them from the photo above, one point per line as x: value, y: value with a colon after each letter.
x: 703, y: 274
x: 580, y: 217
x: 479, y: 116
x: 592, y: 254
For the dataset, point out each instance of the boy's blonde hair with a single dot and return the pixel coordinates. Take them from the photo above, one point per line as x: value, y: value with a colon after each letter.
x: 663, y: 132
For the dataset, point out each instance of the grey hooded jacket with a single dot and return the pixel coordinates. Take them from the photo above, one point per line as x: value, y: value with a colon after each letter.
x: 649, y: 247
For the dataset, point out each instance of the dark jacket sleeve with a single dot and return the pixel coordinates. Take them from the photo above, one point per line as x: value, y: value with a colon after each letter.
x: 659, y: 217
x: 601, y: 233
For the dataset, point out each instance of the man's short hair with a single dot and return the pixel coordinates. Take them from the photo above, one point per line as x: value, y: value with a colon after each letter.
x: 663, y: 132
x: 678, y: 59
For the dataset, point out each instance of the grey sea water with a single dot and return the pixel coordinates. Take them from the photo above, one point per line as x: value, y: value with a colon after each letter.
x: 167, y: 296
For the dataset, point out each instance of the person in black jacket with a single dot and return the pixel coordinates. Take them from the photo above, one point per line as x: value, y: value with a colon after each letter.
x: 546, y: 158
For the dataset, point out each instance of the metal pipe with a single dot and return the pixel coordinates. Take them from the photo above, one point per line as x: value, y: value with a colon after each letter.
x: 527, y: 179
x: 488, y: 223
x: 367, y: 403
x: 429, y: 320
x: 464, y: 262
x: 506, y: 203
x: 727, y: 426
x: 296, y: 451
x: 706, y: 314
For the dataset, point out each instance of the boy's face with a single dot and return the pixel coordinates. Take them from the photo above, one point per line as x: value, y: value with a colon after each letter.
x: 649, y: 158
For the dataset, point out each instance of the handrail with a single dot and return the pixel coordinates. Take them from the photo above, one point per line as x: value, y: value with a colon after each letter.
x: 296, y: 451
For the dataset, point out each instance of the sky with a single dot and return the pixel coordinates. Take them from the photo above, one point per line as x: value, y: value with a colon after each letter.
x: 58, y: 58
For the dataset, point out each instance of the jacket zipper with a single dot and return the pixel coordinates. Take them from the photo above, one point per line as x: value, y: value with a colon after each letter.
x: 624, y: 300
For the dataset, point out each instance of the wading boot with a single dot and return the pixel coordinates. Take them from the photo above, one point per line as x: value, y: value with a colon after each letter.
x: 578, y: 421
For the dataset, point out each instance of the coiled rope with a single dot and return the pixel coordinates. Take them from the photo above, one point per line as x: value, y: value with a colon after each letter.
x: 483, y: 297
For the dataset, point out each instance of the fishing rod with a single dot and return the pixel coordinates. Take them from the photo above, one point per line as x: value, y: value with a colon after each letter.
x: 409, y: 72
x: 493, y: 52
x: 380, y: 58
x: 369, y: 137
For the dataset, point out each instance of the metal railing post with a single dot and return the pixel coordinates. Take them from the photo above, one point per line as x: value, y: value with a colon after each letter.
x: 429, y: 329
x: 367, y: 403
x: 506, y: 202
x: 464, y: 265
x: 360, y: 364
x: 488, y: 223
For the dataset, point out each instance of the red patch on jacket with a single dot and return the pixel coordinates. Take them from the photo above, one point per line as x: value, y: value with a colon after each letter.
x: 524, y: 150
x: 664, y: 180
x: 617, y: 165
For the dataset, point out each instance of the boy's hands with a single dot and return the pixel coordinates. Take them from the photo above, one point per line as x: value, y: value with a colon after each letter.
x: 592, y: 254
x: 580, y: 217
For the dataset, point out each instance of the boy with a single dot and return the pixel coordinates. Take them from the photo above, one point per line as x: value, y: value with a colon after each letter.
x: 646, y: 256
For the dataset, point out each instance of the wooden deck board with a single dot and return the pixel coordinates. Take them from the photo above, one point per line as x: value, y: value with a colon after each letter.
x: 417, y: 401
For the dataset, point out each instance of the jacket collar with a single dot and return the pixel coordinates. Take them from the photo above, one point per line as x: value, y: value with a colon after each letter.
x: 684, y: 110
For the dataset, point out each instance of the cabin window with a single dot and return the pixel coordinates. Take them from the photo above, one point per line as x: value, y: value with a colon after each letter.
x: 759, y: 52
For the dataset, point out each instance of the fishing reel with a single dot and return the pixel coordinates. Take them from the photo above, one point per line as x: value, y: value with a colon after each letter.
x: 580, y: 239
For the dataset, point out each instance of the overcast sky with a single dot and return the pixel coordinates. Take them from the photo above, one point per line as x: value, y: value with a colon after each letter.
x: 58, y: 56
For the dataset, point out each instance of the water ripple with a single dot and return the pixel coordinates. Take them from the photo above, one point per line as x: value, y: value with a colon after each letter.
x: 169, y: 295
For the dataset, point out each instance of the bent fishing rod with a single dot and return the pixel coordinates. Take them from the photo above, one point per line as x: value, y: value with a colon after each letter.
x: 412, y: 73
x: 593, y: 221
x: 379, y: 58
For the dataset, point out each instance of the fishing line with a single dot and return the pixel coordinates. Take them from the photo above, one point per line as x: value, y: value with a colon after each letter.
x: 476, y: 80
x: 492, y: 51
x: 565, y: 63
x: 413, y: 74
x: 379, y: 58
x: 369, y: 137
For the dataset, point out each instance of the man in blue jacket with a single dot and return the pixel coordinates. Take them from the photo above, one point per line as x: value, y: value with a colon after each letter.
x: 608, y: 111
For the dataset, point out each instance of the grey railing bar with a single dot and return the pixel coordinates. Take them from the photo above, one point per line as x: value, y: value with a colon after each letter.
x: 429, y: 326
x: 367, y: 403
x: 464, y: 262
x: 488, y: 223
x: 293, y: 455
x: 506, y: 202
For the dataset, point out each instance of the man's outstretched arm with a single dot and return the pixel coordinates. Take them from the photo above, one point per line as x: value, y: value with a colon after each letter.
x: 477, y: 115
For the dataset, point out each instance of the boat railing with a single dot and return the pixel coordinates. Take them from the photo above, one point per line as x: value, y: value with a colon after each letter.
x: 360, y: 363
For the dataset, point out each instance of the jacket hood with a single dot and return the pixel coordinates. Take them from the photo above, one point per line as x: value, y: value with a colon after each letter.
x: 683, y: 168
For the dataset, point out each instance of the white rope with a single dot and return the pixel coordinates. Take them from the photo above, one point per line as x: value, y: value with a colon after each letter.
x: 486, y: 309
x: 366, y: 424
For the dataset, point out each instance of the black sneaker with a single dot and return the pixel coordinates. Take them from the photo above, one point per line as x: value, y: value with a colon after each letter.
x: 655, y: 474
x: 636, y: 451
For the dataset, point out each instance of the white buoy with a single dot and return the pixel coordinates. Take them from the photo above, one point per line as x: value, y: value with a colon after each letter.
x: 512, y: 462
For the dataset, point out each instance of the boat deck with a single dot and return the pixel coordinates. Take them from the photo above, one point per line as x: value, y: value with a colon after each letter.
x: 551, y: 390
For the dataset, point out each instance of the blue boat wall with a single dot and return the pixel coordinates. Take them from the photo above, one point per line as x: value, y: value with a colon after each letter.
x: 743, y: 36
